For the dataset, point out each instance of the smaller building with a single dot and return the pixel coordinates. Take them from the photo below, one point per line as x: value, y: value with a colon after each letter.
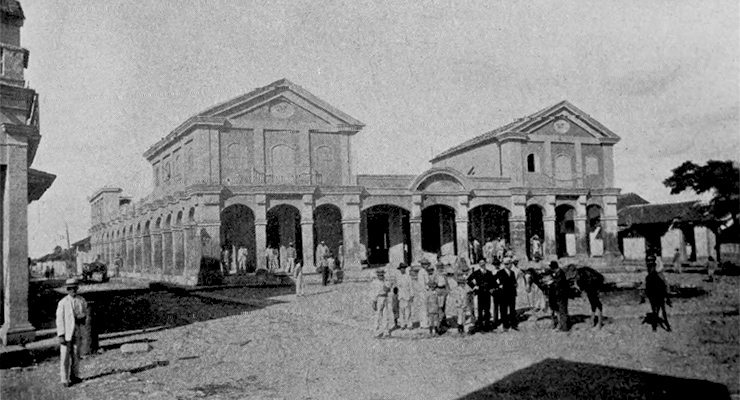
x: 664, y: 229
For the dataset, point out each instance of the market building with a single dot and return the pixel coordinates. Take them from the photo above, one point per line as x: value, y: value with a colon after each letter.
x: 273, y: 168
x: 19, y: 183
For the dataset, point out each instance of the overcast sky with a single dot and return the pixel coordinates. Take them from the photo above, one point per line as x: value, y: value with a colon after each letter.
x: 115, y: 77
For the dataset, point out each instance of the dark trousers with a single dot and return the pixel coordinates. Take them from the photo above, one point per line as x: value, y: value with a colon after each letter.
x: 507, y: 305
x: 484, y: 309
x: 496, y: 310
x: 562, y: 315
x: 325, y: 271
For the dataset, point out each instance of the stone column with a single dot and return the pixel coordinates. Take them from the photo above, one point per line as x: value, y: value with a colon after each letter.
x: 130, y: 253
x: 178, y: 250
x: 461, y: 226
x: 517, y: 225
x: 260, y: 231
x: 579, y: 166
x: 351, y: 232
x: 138, y: 240
x: 307, y: 232
x: 146, y: 262
x: 191, y: 257
x: 16, y: 328
x: 610, y: 228
x: 581, y: 229
x: 415, y: 228
x: 550, y: 247
x: 156, y: 252
x: 166, y: 251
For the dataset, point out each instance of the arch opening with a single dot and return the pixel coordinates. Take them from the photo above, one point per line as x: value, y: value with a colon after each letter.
x: 565, y: 231
x: 487, y: 223
x: 438, y: 233
x: 385, y: 235
x: 237, y: 233
x: 535, y: 230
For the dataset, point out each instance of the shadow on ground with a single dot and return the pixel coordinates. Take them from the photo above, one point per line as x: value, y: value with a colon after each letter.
x: 562, y: 379
x: 132, y: 309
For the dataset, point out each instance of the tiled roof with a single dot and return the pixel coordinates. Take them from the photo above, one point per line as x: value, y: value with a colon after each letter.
x: 661, y: 213
x: 630, y: 199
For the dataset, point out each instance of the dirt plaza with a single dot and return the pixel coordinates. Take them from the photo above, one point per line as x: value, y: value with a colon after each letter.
x: 321, y: 346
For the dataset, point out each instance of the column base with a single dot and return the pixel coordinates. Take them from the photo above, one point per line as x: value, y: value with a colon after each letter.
x: 22, y: 334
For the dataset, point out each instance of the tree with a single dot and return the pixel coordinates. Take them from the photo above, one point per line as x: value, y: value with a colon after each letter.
x: 722, y: 180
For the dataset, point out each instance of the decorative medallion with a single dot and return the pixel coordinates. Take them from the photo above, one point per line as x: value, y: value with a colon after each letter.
x: 282, y: 110
x: 561, y: 126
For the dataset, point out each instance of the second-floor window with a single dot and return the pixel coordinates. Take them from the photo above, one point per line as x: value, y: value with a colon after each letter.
x: 532, y: 163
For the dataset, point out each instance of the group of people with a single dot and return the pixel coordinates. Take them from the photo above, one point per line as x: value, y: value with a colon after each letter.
x: 477, y: 299
x: 491, y: 249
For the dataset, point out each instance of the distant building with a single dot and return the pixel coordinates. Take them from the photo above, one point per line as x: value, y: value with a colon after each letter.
x: 664, y: 228
x: 19, y: 139
x: 274, y: 167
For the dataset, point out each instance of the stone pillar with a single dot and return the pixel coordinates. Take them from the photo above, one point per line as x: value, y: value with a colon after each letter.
x: 156, y: 252
x: 16, y: 328
x: 260, y: 231
x: 191, y: 256
x: 138, y: 252
x: 461, y: 226
x: 351, y: 232
x: 166, y: 251
x: 579, y: 166
x: 130, y: 253
x: 178, y: 250
x: 146, y: 262
x: 550, y: 247
x: 415, y: 229
x: 307, y: 232
x: 517, y: 225
x: 610, y: 228
x: 582, y: 238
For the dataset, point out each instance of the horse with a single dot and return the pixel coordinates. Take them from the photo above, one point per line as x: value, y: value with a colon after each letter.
x: 581, y: 279
x: 585, y: 279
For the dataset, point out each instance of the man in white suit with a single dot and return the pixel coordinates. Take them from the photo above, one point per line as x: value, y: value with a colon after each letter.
x: 71, y: 315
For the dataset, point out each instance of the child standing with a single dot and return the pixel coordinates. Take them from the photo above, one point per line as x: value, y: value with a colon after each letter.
x: 298, y: 276
x: 433, y: 308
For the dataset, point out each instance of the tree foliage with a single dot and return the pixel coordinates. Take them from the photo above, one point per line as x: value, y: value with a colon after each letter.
x: 720, y: 178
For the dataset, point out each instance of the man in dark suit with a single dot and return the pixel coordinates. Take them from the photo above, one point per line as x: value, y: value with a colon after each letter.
x: 559, y: 297
x: 480, y: 282
x: 507, y: 295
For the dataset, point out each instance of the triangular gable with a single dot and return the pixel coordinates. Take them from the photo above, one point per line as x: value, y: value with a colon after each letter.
x: 581, y: 124
x: 284, y: 91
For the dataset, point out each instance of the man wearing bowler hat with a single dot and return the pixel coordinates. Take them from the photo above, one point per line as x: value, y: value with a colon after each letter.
x: 71, y: 316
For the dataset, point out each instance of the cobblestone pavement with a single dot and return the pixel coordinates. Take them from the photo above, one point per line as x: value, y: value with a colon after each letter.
x: 320, y: 347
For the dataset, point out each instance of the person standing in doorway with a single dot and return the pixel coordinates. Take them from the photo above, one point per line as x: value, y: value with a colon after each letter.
x: 489, y: 251
x: 118, y: 265
x: 71, y: 315
x: 242, y: 260
x: 298, y: 277
x: 290, y: 255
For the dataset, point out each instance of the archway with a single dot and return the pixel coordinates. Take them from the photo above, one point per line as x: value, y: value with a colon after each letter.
x: 535, y: 226
x: 385, y: 233
x: 438, y: 233
x: 284, y: 228
x: 327, y: 227
x: 237, y: 231
x: 486, y: 222
x: 565, y: 231
x: 595, y: 239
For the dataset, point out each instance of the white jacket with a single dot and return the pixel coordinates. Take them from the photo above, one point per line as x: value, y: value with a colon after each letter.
x: 69, y: 310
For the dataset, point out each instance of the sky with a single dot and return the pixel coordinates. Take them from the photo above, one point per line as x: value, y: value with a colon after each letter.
x: 115, y: 77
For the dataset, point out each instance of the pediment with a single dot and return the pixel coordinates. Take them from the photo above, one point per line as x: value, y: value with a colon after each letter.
x: 284, y: 102
x: 565, y: 119
x: 282, y: 109
x: 563, y: 123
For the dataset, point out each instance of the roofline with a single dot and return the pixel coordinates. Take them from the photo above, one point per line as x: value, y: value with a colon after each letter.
x: 105, y: 189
